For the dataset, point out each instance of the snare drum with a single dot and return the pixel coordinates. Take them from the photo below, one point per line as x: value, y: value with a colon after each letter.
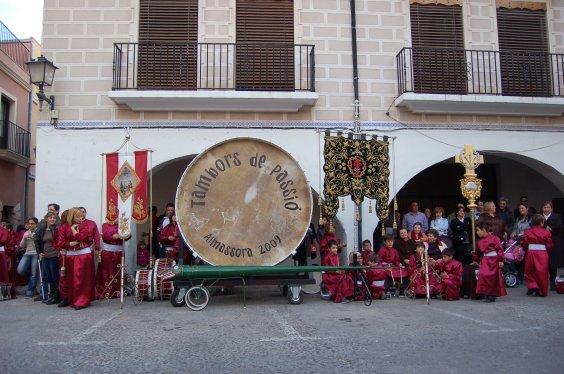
x: 162, y: 290
x: 143, y: 284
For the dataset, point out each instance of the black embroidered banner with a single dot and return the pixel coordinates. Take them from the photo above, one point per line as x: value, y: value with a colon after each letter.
x: 358, y: 168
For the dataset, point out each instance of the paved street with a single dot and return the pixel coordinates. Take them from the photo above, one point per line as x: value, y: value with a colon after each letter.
x: 516, y: 334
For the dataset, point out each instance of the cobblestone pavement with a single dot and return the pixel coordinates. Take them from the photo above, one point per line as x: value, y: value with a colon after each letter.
x: 516, y: 334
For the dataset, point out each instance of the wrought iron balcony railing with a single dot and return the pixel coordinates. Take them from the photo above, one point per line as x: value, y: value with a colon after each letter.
x: 456, y: 71
x: 13, y: 47
x: 213, y: 66
x: 14, y: 138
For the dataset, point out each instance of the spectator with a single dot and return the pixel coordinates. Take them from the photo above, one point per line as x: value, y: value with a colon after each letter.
x: 504, y: 213
x: 28, y: 263
x: 414, y: 216
x: 553, y: 223
x: 524, y: 200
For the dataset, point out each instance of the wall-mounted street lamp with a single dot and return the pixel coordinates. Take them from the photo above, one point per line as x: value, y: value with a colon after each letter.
x: 42, y: 72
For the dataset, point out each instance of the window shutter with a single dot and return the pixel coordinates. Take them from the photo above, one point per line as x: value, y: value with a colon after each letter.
x: 437, y: 38
x: 523, y: 46
x: 265, y: 45
x: 168, y: 36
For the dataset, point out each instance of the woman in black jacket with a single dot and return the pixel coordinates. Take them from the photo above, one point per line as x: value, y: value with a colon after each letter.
x: 461, y: 228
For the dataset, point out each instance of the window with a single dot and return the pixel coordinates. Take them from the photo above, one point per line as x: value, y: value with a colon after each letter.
x: 438, y: 49
x: 265, y: 45
x: 523, y: 49
x: 168, y: 36
x: 4, y: 118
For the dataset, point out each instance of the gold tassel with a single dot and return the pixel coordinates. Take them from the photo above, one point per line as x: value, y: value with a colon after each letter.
x: 383, y: 230
x: 358, y: 215
x: 331, y: 228
x: 370, y: 206
x: 343, y: 204
x: 320, y: 204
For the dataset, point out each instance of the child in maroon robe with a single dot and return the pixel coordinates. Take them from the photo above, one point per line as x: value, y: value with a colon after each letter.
x: 338, y: 282
x: 389, y: 256
x: 366, y: 250
x: 490, y: 253
x: 418, y: 283
x: 451, y: 274
x: 538, y: 241
x: 376, y: 278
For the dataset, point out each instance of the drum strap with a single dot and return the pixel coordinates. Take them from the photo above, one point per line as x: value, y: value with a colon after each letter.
x: 537, y: 247
x: 112, y: 247
x: 83, y: 251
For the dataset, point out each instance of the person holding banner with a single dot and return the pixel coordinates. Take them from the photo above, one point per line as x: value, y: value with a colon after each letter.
x: 169, y: 238
x: 108, y: 277
x: 76, y: 241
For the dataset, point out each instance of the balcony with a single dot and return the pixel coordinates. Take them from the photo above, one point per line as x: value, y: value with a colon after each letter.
x: 14, y: 143
x: 451, y: 81
x: 151, y: 76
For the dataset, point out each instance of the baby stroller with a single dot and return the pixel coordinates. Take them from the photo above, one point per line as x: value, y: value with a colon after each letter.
x: 513, y: 253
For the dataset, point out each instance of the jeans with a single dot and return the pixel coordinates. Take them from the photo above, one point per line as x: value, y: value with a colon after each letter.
x: 28, y: 266
x: 50, y: 268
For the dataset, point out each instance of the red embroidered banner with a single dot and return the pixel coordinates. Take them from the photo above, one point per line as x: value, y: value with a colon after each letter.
x: 112, y: 167
x: 140, y: 212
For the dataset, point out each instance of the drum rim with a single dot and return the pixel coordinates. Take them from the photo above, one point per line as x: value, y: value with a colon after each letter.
x: 201, y: 154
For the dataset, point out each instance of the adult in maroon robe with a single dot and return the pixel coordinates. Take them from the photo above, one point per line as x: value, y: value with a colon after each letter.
x: 4, y: 275
x: 490, y: 254
x: 76, y: 239
x: 538, y: 242
x: 108, y: 277
x: 338, y: 282
x: 450, y: 271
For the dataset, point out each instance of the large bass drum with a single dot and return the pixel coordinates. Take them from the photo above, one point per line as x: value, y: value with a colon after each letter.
x: 243, y: 202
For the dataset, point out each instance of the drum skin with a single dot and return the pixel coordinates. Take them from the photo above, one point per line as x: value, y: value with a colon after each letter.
x: 242, y: 202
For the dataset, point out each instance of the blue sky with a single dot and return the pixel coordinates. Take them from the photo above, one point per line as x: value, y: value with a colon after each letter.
x: 23, y: 17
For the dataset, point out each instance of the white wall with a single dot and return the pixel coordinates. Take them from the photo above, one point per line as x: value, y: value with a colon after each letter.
x: 69, y: 169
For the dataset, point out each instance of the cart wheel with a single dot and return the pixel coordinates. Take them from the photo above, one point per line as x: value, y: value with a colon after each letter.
x: 197, y: 297
x: 295, y: 295
x: 367, y: 300
x: 510, y: 280
x: 177, y: 297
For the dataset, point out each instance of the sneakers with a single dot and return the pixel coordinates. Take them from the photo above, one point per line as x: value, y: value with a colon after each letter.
x: 38, y: 298
x: 401, y: 293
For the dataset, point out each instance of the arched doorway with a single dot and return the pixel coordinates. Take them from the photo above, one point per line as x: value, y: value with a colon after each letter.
x: 504, y: 174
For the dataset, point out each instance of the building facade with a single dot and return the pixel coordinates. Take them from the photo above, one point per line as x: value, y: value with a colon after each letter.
x: 16, y: 126
x: 181, y: 76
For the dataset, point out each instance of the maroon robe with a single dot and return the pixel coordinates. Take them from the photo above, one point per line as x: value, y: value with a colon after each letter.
x: 170, y: 230
x: 536, y: 262
x: 452, y: 282
x: 339, y: 284
x: 390, y: 257
x: 417, y: 283
x: 376, y: 282
x: 490, y: 276
x: 324, y: 246
x: 79, y: 280
x: 108, y: 277
x: 365, y: 255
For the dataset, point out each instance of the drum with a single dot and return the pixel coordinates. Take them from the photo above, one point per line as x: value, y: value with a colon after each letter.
x: 162, y: 290
x: 243, y: 202
x: 143, y: 284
